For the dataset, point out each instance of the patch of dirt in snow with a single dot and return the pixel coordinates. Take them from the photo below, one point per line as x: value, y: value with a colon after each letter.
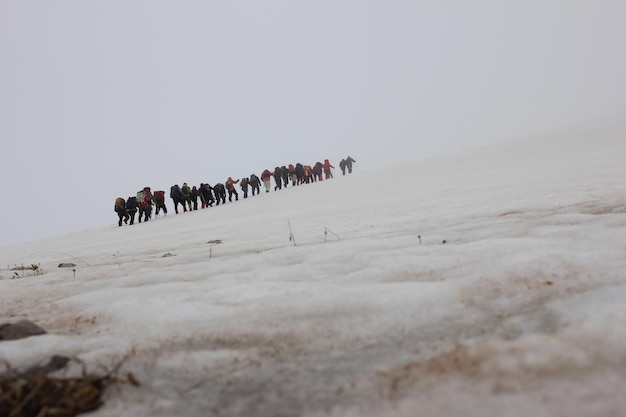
x: 598, y: 208
x: 492, y: 378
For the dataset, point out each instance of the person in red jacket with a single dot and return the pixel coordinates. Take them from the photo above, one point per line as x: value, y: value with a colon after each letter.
x: 144, y: 198
x: 327, y: 166
x: 266, y: 177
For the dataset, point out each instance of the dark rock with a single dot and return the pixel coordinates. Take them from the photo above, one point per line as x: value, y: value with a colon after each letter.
x: 56, y: 363
x: 19, y: 330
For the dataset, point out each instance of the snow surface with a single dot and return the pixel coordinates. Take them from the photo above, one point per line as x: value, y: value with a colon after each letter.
x: 367, y: 312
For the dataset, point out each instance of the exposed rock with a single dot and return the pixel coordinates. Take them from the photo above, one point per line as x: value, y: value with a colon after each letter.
x: 67, y: 265
x: 56, y: 363
x: 19, y: 330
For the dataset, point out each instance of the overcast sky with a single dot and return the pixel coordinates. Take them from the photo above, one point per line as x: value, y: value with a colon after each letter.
x: 99, y: 99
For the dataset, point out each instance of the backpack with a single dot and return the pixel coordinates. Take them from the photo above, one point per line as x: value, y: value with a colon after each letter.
x: 159, y: 195
x: 120, y: 204
x: 141, y: 199
x: 131, y: 204
x: 227, y: 185
x: 147, y: 195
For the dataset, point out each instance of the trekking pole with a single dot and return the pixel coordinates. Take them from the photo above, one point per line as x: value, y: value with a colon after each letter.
x: 291, y: 236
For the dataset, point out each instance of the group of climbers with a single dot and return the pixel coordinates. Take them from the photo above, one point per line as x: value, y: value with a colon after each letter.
x: 190, y: 198
x: 141, y: 203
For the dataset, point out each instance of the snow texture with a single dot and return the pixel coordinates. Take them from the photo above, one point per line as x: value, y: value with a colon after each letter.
x: 490, y: 283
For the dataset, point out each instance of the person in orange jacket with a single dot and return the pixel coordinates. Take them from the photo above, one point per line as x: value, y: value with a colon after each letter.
x: 308, y: 174
x: 327, y: 166
x: 230, y: 187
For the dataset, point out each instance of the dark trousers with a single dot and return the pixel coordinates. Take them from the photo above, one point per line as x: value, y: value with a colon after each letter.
x: 178, y: 201
x: 131, y: 215
x: 146, y: 212
x: 160, y: 205
x: 123, y: 215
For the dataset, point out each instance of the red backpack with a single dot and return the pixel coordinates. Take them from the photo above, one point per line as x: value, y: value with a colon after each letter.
x: 147, y: 195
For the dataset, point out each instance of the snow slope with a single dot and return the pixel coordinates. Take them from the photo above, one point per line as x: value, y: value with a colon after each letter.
x: 484, y: 283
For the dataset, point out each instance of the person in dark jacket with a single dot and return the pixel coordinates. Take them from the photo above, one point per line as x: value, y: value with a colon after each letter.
x: 349, y: 162
x: 342, y: 165
x: 317, y: 171
x: 284, y: 174
x: 177, y: 196
x: 279, y: 184
x: 255, y: 184
x: 244, y: 183
x: 194, y: 197
x: 186, y: 189
x: 299, y: 169
x: 131, y: 208
x: 206, y: 195
x: 220, y: 193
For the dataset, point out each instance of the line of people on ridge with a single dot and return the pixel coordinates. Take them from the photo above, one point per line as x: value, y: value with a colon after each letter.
x: 188, y: 197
